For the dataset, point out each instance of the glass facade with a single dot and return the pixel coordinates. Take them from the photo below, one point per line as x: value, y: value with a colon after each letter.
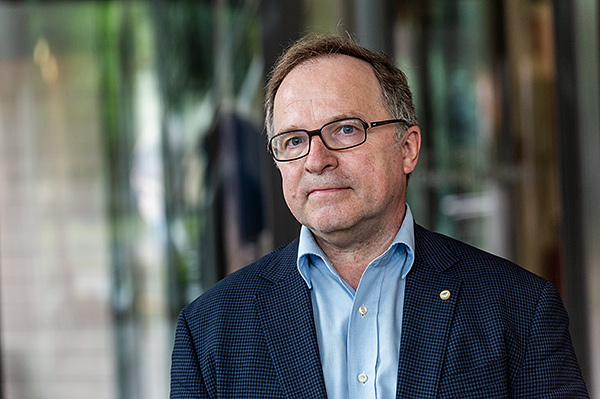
x: 134, y: 172
x: 489, y: 173
x: 56, y: 326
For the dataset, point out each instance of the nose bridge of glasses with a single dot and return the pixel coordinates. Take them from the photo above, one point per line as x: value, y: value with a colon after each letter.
x: 316, y: 133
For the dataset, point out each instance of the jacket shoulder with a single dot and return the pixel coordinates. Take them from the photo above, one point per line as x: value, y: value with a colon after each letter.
x: 242, y: 286
x: 469, y: 263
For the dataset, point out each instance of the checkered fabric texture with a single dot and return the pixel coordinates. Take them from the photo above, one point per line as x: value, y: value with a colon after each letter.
x: 501, y: 333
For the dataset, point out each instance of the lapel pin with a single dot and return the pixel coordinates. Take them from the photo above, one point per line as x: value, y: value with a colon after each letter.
x: 445, y: 295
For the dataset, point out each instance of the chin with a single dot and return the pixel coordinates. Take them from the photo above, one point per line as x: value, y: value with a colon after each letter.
x: 330, y: 226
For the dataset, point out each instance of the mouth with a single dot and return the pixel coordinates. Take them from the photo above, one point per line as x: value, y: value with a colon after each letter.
x: 327, y: 190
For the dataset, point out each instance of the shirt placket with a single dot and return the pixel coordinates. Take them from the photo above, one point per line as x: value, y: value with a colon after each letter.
x: 363, y: 337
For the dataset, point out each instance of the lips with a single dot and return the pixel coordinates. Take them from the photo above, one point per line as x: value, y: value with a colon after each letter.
x: 325, y: 184
x: 326, y: 190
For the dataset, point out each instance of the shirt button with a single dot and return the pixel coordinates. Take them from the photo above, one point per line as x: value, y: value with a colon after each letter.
x: 363, y: 311
x: 362, y: 377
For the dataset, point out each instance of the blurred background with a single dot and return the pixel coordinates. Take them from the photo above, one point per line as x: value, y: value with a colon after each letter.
x: 134, y: 175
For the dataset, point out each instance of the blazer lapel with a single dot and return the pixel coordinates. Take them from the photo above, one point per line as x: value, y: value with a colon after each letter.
x: 429, y: 303
x: 285, y: 311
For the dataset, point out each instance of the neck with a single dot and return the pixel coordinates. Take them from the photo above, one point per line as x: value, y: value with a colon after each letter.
x: 350, y: 254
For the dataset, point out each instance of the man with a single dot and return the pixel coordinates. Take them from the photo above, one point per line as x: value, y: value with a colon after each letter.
x: 366, y: 303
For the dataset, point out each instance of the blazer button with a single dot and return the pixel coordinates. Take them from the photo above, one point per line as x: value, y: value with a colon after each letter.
x: 362, y: 310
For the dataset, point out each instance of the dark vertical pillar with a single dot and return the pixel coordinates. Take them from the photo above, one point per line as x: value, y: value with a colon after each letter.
x: 373, y: 24
x: 571, y: 184
x: 282, y: 23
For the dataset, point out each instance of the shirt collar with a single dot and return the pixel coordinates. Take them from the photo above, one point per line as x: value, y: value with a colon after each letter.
x: 309, y: 250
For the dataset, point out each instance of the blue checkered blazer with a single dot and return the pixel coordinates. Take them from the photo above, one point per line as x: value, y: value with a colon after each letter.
x: 503, y: 333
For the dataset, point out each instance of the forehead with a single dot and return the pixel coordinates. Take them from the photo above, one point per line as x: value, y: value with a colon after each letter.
x: 320, y: 89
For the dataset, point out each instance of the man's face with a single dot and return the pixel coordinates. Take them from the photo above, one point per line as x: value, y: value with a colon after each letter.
x: 342, y: 195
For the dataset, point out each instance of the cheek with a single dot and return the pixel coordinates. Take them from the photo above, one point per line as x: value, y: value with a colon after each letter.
x: 288, y: 193
x: 288, y: 184
x: 370, y: 173
x: 384, y: 179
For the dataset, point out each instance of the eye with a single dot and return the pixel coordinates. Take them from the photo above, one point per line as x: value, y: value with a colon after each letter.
x: 348, y: 129
x: 293, y: 141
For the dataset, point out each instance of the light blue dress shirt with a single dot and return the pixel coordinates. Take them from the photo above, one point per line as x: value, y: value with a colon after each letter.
x: 359, y: 331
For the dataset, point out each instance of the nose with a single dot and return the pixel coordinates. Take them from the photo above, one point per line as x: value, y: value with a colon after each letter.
x: 320, y: 157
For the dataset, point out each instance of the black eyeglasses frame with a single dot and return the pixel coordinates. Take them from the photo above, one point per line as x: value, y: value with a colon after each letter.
x: 317, y: 132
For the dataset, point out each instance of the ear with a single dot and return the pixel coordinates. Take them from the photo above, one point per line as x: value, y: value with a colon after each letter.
x: 411, y: 146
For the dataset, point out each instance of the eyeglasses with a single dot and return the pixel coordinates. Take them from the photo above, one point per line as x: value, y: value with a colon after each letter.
x: 337, y: 135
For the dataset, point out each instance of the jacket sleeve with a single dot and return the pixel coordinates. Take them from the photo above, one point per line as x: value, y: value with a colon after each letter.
x: 186, y: 377
x: 549, y: 368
